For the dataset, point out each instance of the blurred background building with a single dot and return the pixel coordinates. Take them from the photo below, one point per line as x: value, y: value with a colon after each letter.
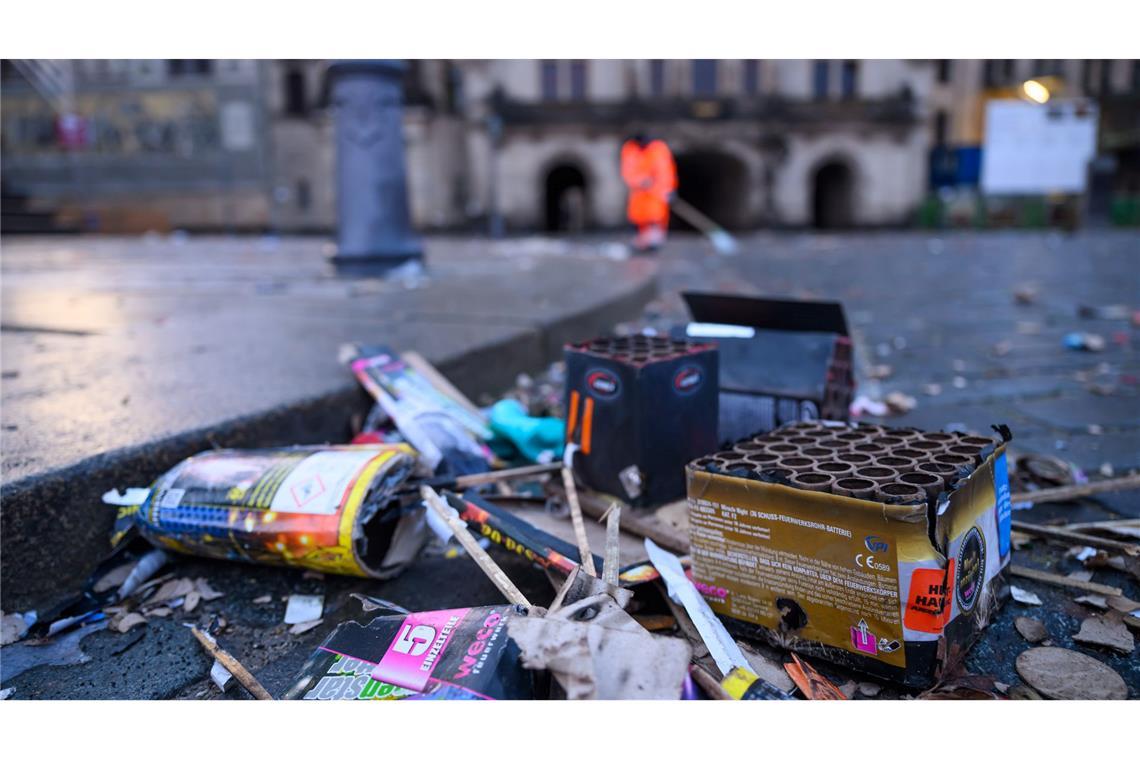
x: 525, y: 145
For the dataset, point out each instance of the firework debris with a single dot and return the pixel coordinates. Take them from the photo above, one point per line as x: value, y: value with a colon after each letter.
x: 673, y: 604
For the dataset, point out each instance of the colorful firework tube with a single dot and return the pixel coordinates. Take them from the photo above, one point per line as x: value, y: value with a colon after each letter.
x: 326, y: 508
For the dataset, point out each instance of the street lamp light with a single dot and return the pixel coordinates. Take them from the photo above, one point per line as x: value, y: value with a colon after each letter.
x: 1035, y: 91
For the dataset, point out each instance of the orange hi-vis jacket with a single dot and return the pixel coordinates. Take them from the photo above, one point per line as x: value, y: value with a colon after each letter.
x: 651, y: 176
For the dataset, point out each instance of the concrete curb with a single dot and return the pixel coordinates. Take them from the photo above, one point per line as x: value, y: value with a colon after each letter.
x: 55, y: 527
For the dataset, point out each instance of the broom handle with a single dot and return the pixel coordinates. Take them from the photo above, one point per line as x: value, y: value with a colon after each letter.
x: 694, y: 217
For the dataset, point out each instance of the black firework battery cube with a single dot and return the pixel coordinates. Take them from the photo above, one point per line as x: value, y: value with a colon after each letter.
x: 639, y: 408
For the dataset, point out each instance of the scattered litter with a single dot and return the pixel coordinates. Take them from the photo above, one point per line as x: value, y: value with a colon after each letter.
x: 5, y: 693
x: 12, y: 628
x: 191, y: 602
x: 263, y: 599
x: 127, y: 622
x: 900, y: 403
x: 865, y: 405
x: 317, y: 507
x: 143, y: 571
x: 868, y: 689
x: 1025, y: 295
x: 1064, y: 674
x: 1106, y: 631
x: 479, y: 661
x: 244, y: 677
x: 221, y: 677
x: 810, y: 682
x: 203, y: 589
x: 538, y: 439
x: 171, y: 590
x: 1031, y: 629
x: 300, y: 628
x: 932, y: 389
x: 723, y: 649
x: 304, y: 608
x: 1079, y: 341
x: 1025, y: 597
x: 1092, y: 600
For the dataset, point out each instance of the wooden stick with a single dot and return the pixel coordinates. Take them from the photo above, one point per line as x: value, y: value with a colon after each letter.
x: 1073, y: 537
x: 708, y: 682
x: 584, y: 553
x: 486, y: 564
x: 1065, y: 493
x: 640, y: 527
x: 613, y: 550
x: 1059, y: 580
x: 495, y: 476
x: 244, y: 677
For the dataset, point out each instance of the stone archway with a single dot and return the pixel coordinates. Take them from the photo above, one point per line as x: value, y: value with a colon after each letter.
x: 833, y: 195
x: 565, y: 200
x: 715, y: 183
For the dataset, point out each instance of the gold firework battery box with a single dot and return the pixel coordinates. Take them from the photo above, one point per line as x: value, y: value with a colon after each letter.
x: 898, y: 588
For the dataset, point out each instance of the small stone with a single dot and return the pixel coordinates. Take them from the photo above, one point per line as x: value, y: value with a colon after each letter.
x: 868, y: 689
x: 1031, y: 630
x: 1064, y: 674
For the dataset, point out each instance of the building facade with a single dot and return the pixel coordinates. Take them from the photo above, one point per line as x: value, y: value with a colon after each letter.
x: 519, y: 145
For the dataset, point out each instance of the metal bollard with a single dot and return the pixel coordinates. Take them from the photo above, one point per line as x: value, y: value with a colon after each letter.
x: 374, y: 230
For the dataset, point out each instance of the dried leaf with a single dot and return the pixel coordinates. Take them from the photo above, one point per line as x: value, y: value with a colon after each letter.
x: 192, y: 600
x: 1106, y: 631
x: 12, y: 628
x: 160, y: 612
x: 300, y: 628
x: 1064, y: 674
x: 1023, y: 596
x: 127, y: 622
x: 1092, y: 600
x: 1030, y: 629
x: 203, y: 588
x: 172, y: 590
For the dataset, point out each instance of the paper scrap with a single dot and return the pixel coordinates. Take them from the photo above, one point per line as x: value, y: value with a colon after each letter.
x: 304, y: 608
x: 1023, y: 596
x: 724, y: 650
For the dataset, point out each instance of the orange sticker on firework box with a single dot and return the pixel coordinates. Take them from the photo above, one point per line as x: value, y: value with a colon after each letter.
x: 928, y: 607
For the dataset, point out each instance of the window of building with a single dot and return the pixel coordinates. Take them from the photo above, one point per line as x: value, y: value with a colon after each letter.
x: 940, y: 129
x: 657, y: 78
x: 303, y: 194
x: 849, y: 80
x: 997, y: 72
x: 296, y: 104
x: 944, y: 68
x: 180, y: 67
x: 1136, y: 76
x: 752, y: 77
x: 819, y: 79
x: 1047, y: 68
x: 1105, y: 86
x: 704, y: 77
x: 577, y: 80
x: 550, y: 80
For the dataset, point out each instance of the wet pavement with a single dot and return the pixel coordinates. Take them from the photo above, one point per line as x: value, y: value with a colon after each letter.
x: 121, y: 356
x: 932, y: 308
x: 940, y: 313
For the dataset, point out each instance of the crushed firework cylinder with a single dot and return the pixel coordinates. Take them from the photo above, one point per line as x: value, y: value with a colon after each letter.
x: 332, y: 509
x: 442, y: 654
x: 780, y: 360
x: 639, y: 409
x: 892, y: 573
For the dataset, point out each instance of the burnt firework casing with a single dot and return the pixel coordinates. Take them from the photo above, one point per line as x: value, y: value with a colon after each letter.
x: 781, y: 361
x: 639, y: 409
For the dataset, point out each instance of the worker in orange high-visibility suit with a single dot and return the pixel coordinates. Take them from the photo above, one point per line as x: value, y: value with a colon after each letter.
x: 648, y: 169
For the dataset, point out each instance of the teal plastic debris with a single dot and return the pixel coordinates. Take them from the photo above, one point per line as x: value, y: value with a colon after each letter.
x: 539, y: 439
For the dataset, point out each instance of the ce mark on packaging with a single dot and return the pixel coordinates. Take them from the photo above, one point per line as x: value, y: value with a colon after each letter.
x: 869, y: 562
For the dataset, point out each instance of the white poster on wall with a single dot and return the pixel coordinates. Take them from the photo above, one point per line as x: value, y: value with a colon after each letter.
x: 1033, y: 149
